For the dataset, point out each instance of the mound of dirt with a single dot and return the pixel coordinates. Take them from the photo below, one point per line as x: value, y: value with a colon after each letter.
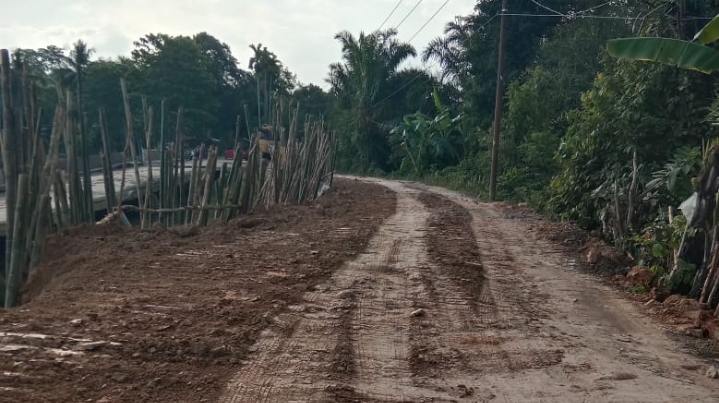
x: 122, y: 315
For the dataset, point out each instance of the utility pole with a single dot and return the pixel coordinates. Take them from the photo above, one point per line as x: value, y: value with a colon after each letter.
x: 498, y: 104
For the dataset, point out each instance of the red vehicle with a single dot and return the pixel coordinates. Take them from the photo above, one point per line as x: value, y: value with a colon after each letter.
x: 229, y: 154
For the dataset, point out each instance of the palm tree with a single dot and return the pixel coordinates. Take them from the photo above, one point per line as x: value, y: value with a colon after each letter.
x: 450, y: 50
x: 362, y: 82
x: 268, y: 71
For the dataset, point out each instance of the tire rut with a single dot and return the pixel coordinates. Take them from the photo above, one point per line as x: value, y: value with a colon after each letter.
x: 349, y: 341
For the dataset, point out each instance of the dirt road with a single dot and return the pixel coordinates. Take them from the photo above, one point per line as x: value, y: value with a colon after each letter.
x: 452, y: 301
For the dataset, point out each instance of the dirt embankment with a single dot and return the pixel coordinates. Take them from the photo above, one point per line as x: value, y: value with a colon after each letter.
x: 167, y: 315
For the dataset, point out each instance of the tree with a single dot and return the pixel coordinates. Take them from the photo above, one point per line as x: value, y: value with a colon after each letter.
x: 361, y: 84
x: 174, y: 68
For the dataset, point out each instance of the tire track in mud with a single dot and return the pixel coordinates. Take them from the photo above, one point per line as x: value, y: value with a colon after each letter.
x: 349, y: 340
x: 482, y: 337
x: 572, y: 346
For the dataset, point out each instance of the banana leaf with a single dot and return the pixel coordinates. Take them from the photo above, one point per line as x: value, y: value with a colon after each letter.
x: 673, y: 52
x: 710, y: 32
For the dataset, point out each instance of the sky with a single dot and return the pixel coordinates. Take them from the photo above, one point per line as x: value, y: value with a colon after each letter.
x: 300, y: 32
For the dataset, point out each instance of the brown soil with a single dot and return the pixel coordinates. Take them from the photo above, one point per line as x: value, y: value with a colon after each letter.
x: 118, y: 315
x: 451, y: 300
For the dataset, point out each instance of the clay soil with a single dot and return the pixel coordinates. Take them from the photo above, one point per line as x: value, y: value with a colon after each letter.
x: 410, y: 294
x: 118, y: 315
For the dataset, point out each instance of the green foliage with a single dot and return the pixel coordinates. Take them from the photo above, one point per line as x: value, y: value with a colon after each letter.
x: 426, y: 144
x: 365, y: 85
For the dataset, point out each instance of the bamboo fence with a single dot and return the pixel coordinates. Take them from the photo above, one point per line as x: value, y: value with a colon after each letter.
x: 42, y: 197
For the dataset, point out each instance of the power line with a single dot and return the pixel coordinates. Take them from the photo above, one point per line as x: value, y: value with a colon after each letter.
x: 597, y: 17
x: 545, y: 7
x: 429, y: 20
x: 410, y: 40
x: 408, y: 14
x: 486, y: 23
x: 390, y: 14
x: 398, y: 90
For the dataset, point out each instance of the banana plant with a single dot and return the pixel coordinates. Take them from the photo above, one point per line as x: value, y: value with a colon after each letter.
x: 427, y: 142
x: 692, y: 55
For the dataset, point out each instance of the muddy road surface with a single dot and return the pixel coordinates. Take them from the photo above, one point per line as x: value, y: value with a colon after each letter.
x: 451, y: 302
x: 381, y: 291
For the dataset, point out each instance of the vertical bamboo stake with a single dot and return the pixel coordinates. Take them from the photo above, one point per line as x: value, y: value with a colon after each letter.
x: 193, y: 184
x: 209, y: 180
x: 163, y: 166
x: 62, y: 198
x: 35, y: 236
x: 60, y: 222
x: 131, y: 143
x: 193, y: 215
x: 9, y: 151
x: 73, y: 178
x: 237, y: 132
x: 176, y: 188
x: 87, y: 175
x: 148, y: 187
x: 181, y: 154
x: 110, y: 195
x: 17, y: 257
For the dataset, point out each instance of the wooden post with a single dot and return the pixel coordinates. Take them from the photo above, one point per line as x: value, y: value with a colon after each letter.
x: 17, y: 251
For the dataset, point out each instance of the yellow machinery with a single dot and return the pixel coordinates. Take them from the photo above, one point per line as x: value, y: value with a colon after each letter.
x: 266, y: 141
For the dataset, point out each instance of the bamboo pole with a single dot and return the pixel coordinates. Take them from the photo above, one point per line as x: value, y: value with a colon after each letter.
x: 237, y: 132
x: 247, y: 124
x: 9, y: 150
x: 73, y: 178
x: 63, y: 198
x: 131, y: 142
x: 176, y: 187
x: 164, y: 179
x: 36, y: 234
x: 110, y: 195
x: 86, y: 174
x: 148, y: 186
x: 196, y: 189
x: 181, y: 154
x: 193, y: 182
x: 59, y: 220
x: 209, y: 181
x: 17, y: 255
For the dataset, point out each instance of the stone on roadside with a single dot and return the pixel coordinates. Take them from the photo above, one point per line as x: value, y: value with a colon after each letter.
x: 346, y: 294
x: 418, y: 313
x: 712, y: 373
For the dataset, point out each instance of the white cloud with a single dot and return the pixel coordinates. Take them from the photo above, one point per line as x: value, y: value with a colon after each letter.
x: 300, y: 32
